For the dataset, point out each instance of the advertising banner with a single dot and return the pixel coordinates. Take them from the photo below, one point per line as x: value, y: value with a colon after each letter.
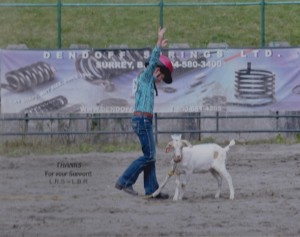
x: 103, y: 81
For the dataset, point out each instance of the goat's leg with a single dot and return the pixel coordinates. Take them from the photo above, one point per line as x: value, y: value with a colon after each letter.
x: 177, y: 189
x: 185, y: 179
x: 223, y: 171
x: 218, y: 177
x: 229, y: 181
x: 182, y: 188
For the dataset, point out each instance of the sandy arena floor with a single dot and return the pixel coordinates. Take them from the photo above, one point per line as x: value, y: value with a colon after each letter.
x: 41, y: 196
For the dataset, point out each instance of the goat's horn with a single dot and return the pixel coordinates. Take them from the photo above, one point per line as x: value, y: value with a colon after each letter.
x: 187, y: 143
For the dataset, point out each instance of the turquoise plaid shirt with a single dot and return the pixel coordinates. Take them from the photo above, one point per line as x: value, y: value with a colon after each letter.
x: 144, y: 95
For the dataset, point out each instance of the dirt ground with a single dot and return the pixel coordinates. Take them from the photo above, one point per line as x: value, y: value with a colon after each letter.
x: 74, y: 196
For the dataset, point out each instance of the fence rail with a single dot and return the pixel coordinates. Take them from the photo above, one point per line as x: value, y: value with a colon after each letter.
x: 83, y: 124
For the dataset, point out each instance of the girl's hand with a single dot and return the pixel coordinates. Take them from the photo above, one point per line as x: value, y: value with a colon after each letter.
x: 161, y: 32
x: 161, y: 42
x: 158, y: 75
x: 164, y: 43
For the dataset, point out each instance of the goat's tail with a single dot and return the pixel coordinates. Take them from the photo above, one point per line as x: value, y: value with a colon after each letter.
x: 231, y: 143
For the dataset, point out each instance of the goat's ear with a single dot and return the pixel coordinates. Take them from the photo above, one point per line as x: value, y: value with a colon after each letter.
x: 169, y: 147
x: 187, y: 143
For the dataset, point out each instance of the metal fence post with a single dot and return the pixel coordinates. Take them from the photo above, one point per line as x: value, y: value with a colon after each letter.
x: 199, y: 126
x: 26, y: 121
x: 161, y: 15
x: 263, y: 23
x: 277, y: 120
x: 59, y: 24
x: 217, y: 121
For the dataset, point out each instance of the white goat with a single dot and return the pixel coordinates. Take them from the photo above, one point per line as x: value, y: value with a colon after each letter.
x: 197, y: 158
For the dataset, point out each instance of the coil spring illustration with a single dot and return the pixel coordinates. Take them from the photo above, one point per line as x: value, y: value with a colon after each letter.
x: 29, y: 77
x: 53, y: 104
x: 88, y: 69
x: 254, y: 84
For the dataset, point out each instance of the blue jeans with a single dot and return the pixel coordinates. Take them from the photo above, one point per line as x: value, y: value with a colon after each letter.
x: 142, y: 126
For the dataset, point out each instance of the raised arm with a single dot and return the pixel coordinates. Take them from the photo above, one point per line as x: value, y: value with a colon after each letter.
x: 161, y: 41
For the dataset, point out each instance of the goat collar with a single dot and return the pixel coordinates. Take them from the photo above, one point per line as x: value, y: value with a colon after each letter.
x: 172, y: 172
